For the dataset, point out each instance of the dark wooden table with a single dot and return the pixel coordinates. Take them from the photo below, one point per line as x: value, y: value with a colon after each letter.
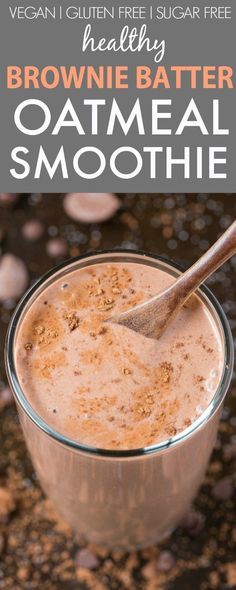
x: 37, y: 550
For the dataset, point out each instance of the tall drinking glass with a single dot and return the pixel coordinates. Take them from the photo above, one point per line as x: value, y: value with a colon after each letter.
x: 130, y: 498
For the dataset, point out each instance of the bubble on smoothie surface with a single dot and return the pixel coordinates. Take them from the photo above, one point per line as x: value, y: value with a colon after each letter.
x: 8, y: 198
x: 56, y: 247
x: 14, y: 277
x: 91, y: 207
x: 32, y: 230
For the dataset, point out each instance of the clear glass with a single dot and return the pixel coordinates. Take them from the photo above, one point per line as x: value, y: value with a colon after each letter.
x: 130, y: 498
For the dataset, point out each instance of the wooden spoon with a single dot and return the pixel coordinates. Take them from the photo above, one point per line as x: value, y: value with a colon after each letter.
x: 153, y: 316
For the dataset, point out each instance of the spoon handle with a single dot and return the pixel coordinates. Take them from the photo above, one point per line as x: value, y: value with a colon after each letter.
x: 221, y: 251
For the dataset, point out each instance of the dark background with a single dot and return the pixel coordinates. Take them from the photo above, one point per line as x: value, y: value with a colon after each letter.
x: 37, y: 550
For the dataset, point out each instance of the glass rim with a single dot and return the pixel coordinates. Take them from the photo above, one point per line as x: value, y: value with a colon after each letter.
x: 112, y: 453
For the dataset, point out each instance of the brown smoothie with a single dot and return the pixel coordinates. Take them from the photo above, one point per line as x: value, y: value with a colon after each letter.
x: 104, y: 385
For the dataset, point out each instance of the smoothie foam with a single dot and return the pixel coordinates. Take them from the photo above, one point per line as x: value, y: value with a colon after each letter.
x: 102, y: 384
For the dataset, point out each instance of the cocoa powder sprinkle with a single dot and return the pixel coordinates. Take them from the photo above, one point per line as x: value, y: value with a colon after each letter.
x: 72, y: 320
x: 126, y: 371
x: 28, y: 346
